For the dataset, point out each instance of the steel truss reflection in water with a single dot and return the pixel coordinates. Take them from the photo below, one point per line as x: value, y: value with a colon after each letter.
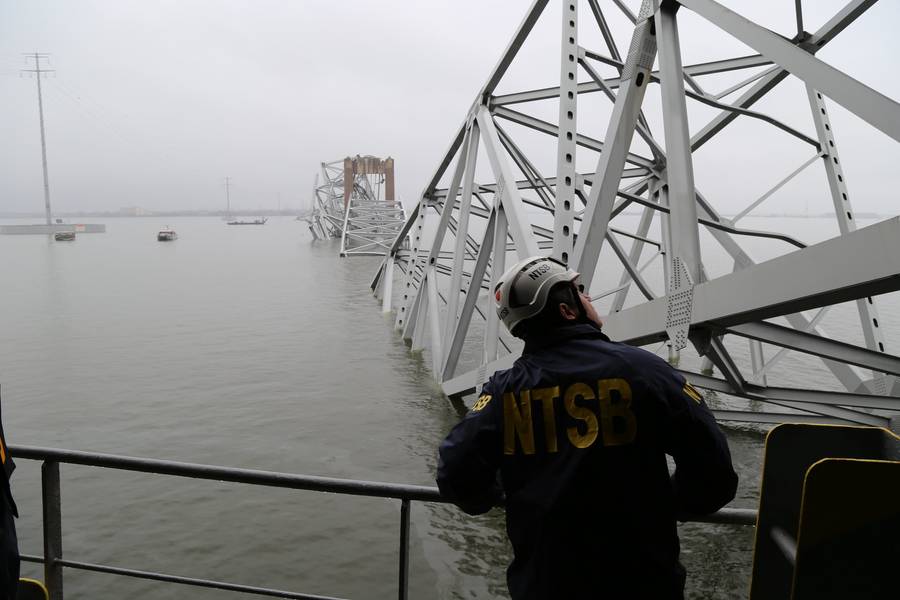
x: 464, y: 232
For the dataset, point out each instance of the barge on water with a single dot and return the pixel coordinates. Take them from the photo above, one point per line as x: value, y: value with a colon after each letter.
x: 166, y: 235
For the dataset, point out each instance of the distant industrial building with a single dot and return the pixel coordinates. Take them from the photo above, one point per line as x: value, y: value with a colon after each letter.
x: 134, y: 211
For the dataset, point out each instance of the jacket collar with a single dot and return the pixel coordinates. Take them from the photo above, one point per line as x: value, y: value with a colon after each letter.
x: 543, y: 339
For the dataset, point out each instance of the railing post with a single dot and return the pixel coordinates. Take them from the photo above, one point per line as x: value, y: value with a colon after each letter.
x: 404, y: 549
x: 52, y: 529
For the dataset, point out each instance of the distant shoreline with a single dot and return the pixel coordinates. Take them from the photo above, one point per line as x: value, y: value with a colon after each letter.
x: 295, y: 213
x: 303, y: 213
x: 179, y: 213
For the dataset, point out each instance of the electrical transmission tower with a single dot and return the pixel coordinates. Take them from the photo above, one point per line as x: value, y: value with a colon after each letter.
x: 228, y: 197
x: 632, y: 224
x: 37, y: 57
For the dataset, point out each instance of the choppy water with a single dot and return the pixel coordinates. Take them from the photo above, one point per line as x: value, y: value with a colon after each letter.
x: 249, y: 347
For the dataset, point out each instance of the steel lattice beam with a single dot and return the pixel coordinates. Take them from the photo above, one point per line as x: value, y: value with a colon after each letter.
x: 465, y: 229
x: 352, y: 205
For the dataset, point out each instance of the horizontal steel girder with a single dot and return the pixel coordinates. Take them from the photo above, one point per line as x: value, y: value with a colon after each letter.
x: 819, y: 346
x: 869, y: 262
x: 718, y: 66
x: 829, y: 404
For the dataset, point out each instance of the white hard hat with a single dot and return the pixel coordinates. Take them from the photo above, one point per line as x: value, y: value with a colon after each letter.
x: 522, y: 291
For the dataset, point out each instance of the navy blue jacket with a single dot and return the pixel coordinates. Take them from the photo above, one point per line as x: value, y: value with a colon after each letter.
x: 575, y: 437
x: 9, y: 545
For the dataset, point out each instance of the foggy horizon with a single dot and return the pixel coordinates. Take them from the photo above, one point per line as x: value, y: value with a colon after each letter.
x: 154, y: 104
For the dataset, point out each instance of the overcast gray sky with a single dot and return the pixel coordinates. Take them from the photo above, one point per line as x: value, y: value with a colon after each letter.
x: 153, y: 103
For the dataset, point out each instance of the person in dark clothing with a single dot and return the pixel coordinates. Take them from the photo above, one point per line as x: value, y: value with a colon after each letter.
x: 9, y: 545
x: 573, y: 440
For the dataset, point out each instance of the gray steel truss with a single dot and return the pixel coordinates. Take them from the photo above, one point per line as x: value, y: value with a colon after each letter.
x: 353, y: 204
x: 637, y: 225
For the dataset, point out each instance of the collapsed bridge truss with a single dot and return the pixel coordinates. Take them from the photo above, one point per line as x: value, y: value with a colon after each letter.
x: 632, y: 224
x: 356, y: 203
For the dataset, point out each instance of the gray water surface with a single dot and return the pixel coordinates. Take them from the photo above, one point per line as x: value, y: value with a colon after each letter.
x: 249, y: 347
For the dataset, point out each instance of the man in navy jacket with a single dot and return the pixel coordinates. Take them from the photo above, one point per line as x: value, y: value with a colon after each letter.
x: 9, y: 545
x: 573, y: 440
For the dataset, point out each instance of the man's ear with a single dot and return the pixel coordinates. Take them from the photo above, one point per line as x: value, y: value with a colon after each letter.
x: 567, y: 312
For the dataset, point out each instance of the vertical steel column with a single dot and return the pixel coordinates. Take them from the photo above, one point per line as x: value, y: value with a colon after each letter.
x: 415, y: 325
x: 665, y: 228
x: 843, y: 210
x: 757, y: 362
x: 449, y: 203
x: 52, y: 504
x: 411, y: 266
x: 376, y: 281
x: 387, y: 288
x: 347, y: 208
x: 412, y: 316
x: 563, y: 216
x: 619, y: 134
x: 434, y: 319
x: 404, y: 549
x: 388, y: 169
x: 684, y: 236
x: 462, y: 228
x: 680, y: 170
x: 349, y: 170
x: 498, y: 266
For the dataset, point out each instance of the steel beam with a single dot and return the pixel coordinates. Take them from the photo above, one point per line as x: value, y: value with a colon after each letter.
x: 508, y: 191
x: 826, y: 403
x: 498, y: 267
x: 387, y: 290
x: 855, y: 265
x: 817, y: 345
x: 618, y: 140
x: 407, y: 284
x: 870, y: 260
x: 434, y: 319
x: 462, y: 228
x: 873, y: 107
x: 721, y: 66
x: 684, y: 235
x: 843, y: 210
x: 462, y: 325
x: 563, y: 216
x: 525, y: 27
x: 551, y: 129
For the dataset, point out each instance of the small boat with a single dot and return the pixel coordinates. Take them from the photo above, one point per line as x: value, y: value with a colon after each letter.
x: 64, y: 236
x: 259, y: 221
x: 166, y: 235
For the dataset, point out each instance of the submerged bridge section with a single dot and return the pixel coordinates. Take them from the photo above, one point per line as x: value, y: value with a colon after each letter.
x: 356, y: 203
x: 619, y: 200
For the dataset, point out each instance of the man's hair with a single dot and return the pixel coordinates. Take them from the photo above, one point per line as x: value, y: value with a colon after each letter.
x: 549, y: 318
